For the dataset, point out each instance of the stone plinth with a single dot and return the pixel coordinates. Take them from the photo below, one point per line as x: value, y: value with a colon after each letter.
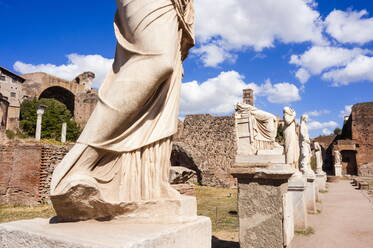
x: 296, y: 188
x: 120, y: 233
x: 338, y: 170
x: 310, y: 193
x: 321, y: 181
x: 261, y: 201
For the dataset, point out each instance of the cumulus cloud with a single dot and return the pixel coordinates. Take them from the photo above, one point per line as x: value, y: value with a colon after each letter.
x: 312, y: 125
x: 326, y: 131
x: 359, y: 69
x: 337, y: 64
x: 346, y: 111
x: 218, y: 95
x: 316, y: 113
x: 212, y: 55
x: 76, y: 65
x: 239, y: 24
x: 350, y: 26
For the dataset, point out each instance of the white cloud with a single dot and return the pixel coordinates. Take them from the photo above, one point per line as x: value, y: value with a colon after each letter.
x: 316, y: 113
x: 359, y: 69
x: 312, y: 125
x: 350, y: 26
x: 212, y: 55
x: 239, y: 24
x: 346, y: 111
x: 218, y: 95
x: 340, y: 65
x: 326, y: 131
x: 76, y: 65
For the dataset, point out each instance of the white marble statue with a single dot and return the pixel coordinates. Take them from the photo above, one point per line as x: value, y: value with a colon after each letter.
x: 123, y: 155
x: 256, y: 126
x: 305, y: 143
x: 291, y: 138
x: 319, y: 158
x: 337, y: 157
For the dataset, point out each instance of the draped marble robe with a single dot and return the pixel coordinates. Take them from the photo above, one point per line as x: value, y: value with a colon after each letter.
x: 123, y: 154
x: 291, y: 138
x: 305, y: 155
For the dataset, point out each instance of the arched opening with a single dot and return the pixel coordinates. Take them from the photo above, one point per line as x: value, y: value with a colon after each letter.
x: 4, y: 104
x: 60, y: 94
x: 349, y: 162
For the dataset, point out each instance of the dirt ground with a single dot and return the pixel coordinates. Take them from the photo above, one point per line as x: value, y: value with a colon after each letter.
x: 345, y: 221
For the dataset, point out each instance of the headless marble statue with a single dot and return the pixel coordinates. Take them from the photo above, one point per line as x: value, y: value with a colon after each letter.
x: 319, y: 159
x: 122, y: 158
x: 291, y: 138
x: 256, y: 130
x: 305, y: 158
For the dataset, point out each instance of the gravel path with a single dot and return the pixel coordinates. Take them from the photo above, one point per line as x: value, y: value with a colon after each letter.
x: 345, y: 221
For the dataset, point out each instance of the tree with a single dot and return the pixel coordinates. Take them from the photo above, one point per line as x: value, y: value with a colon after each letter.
x: 55, y: 114
x: 280, y: 134
x: 337, y: 131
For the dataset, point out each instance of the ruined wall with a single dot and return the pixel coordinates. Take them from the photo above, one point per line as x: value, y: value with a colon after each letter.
x: 26, y: 172
x: 207, y: 145
x: 362, y: 131
x: 84, y: 106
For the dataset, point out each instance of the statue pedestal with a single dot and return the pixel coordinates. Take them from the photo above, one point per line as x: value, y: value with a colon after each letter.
x: 310, y: 192
x: 321, y: 181
x: 338, y: 170
x: 261, y: 200
x: 122, y: 232
x: 296, y: 188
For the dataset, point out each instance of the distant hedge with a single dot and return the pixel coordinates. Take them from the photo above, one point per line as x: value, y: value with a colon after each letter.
x: 55, y: 114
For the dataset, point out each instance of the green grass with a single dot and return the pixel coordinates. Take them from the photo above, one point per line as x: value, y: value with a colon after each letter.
x: 220, y: 204
x: 14, y: 212
x: 307, y: 232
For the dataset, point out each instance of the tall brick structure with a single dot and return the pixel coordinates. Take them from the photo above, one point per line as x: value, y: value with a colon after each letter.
x: 356, y: 141
x: 248, y: 96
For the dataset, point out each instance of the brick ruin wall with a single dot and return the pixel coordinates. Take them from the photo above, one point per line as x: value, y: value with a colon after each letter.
x: 26, y: 172
x: 206, y: 144
x: 362, y: 132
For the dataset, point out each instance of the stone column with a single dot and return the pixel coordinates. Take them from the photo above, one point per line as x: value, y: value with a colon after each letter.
x: 40, y: 111
x: 63, y: 132
x: 297, y: 186
x: 310, y: 192
x: 262, y: 190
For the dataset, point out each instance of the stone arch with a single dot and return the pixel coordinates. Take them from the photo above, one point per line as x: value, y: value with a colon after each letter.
x: 60, y: 94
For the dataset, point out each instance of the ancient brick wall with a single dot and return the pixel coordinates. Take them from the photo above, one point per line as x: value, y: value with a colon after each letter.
x: 207, y: 145
x: 26, y: 172
x: 50, y: 157
x: 84, y: 106
x: 362, y: 131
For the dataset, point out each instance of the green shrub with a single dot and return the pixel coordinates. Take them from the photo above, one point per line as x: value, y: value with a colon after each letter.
x: 55, y: 114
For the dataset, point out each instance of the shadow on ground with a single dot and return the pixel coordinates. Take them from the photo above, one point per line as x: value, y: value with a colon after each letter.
x: 218, y: 243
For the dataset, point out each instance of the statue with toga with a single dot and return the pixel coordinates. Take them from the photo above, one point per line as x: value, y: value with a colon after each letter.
x: 122, y: 157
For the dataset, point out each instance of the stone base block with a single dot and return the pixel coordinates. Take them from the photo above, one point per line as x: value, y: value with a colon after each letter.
x: 321, y: 181
x: 39, y: 233
x: 310, y: 194
x: 296, y: 189
x: 338, y: 170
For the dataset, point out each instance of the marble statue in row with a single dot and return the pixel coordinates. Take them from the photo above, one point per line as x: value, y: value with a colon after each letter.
x: 305, y: 146
x: 122, y: 157
x: 256, y: 130
x: 319, y: 158
x: 291, y: 138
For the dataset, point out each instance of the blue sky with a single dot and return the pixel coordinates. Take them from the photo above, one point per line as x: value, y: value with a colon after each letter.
x: 316, y: 56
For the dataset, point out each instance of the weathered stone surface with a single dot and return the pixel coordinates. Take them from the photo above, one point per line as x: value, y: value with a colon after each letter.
x: 180, y: 175
x: 26, y: 172
x: 366, y: 170
x: 321, y: 181
x: 122, y: 233
x: 296, y: 189
x: 207, y: 145
x: 310, y: 194
x: 260, y: 207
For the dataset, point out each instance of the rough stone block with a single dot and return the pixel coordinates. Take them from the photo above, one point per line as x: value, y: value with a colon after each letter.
x: 310, y: 194
x: 39, y: 233
x: 296, y: 189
